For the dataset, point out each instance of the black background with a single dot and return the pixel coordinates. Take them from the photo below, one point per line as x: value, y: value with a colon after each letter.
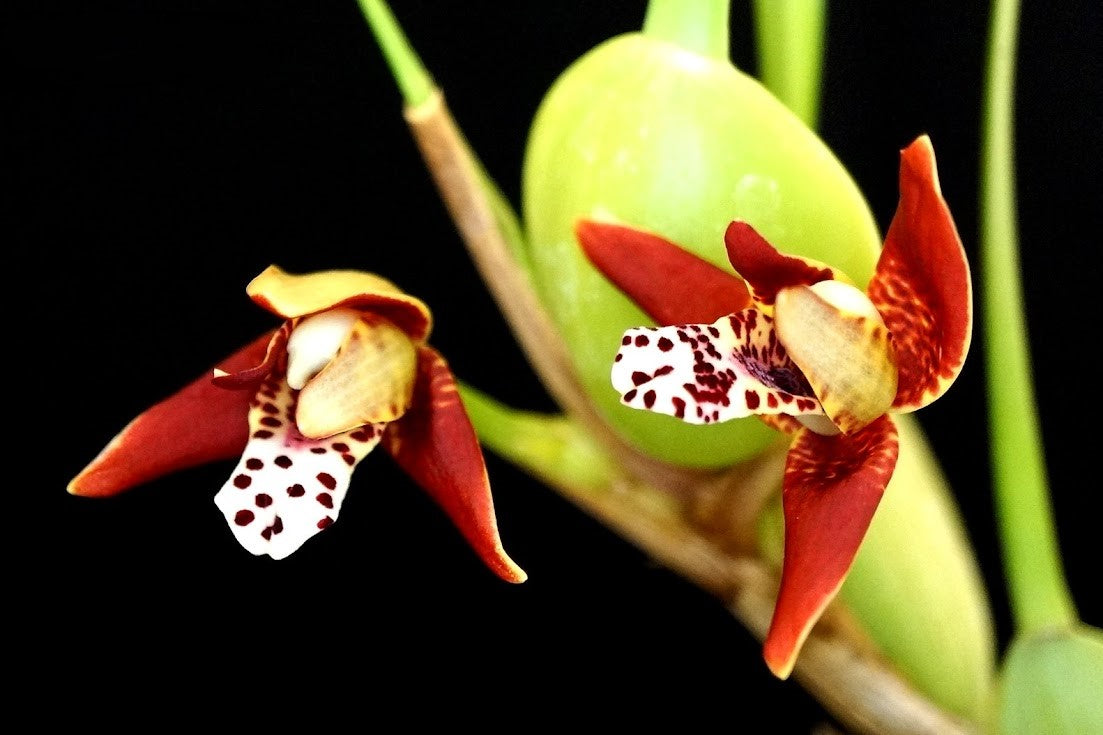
x: 165, y: 153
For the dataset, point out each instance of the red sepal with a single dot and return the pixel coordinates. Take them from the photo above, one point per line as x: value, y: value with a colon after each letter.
x: 765, y: 269
x: 201, y: 423
x: 831, y: 489
x: 436, y: 445
x: 922, y: 286
x: 671, y: 284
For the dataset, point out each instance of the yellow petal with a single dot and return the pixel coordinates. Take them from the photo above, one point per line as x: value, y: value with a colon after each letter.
x: 834, y: 334
x: 290, y: 296
x: 371, y: 380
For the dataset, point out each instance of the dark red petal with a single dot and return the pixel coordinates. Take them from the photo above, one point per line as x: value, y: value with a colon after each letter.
x: 436, y: 445
x: 766, y: 270
x: 201, y: 423
x: 922, y: 286
x: 672, y: 285
x: 250, y: 376
x: 831, y: 489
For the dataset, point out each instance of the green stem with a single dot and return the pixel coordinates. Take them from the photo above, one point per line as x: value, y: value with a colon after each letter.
x: 790, y: 36
x: 550, y: 447
x: 695, y: 25
x: 1038, y: 590
x: 409, y: 73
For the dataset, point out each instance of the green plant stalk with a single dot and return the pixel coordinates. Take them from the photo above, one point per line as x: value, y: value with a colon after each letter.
x: 1038, y: 590
x: 414, y: 81
x: 552, y: 447
x: 790, y: 38
x: 695, y: 25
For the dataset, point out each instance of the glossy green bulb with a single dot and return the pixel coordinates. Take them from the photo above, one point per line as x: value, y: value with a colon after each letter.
x: 671, y: 141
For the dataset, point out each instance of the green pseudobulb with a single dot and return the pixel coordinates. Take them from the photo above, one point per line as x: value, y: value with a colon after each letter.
x: 668, y: 140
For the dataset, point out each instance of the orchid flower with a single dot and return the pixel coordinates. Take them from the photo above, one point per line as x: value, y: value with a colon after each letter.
x: 807, y: 351
x: 348, y: 369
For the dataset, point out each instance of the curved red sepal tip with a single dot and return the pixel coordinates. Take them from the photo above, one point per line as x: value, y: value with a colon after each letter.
x: 250, y: 377
x: 670, y: 284
x: 436, y: 445
x: 831, y: 489
x: 764, y: 268
x: 200, y: 423
x: 922, y: 286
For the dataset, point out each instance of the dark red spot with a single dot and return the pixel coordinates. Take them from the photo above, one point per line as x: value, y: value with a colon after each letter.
x: 349, y: 459
x: 664, y: 370
x: 340, y: 446
x: 618, y: 358
x: 752, y: 399
x: 296, y: 491
x: 630, y: 395
x: 253, y: 463
x: 785, y: 398
x: 267, y: 392
x: 665, y: 344
x: 270, y: 408
x: 266, y: 534
x: 262, y: 434
x: 714, y: 331
x: 626, y: 340
x: 649, y: 398
x: 639, y: 378
x: 642, y: 340
x: 318, y: 450
x: 327, y: 479
x: 243, y: 481
x: 277, y: 525
x: 263, y: 500
x: 244, y: 517
x: 805, y: 405
x: 270, y: 421
x: 771, y: 400
x: 325, y: 499
x: 325, y: 523
x: 679, y: 407
x: 364, y: 434
x: 283, y: 461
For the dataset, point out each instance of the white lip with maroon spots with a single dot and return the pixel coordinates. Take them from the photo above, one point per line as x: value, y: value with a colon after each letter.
x: 286, y: 488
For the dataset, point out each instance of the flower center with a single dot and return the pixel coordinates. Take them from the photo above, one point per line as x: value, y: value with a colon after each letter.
x: 315, y: 342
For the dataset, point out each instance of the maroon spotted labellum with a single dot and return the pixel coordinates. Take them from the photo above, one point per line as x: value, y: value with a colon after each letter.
x: 795, y: 343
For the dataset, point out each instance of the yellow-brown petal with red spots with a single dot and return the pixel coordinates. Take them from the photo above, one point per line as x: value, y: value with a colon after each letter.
x: 291, y: 295
x: 922, y: 285
x: 837, y: 339
x: 370, y: 380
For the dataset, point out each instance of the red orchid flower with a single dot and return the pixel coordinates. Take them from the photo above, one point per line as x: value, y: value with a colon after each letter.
x: 347, y: 370
x: 808, y: 352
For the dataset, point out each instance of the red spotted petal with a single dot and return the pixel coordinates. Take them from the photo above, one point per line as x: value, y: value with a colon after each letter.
x: 922, y: 286
x: 672, y: 285
x: 766, y: 270
x: 705, y: 373
x: 831, y: 489
x: 286, y: 487
x: 199, y: 424
x: 436, y: 445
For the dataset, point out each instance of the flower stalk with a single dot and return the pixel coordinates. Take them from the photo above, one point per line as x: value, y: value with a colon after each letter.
x: 790, y: 37
x: 1039, y: 593
x: 699, y: 26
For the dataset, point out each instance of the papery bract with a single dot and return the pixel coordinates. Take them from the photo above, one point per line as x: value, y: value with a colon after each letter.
x: 354, y: 347
x: 791, y: 356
